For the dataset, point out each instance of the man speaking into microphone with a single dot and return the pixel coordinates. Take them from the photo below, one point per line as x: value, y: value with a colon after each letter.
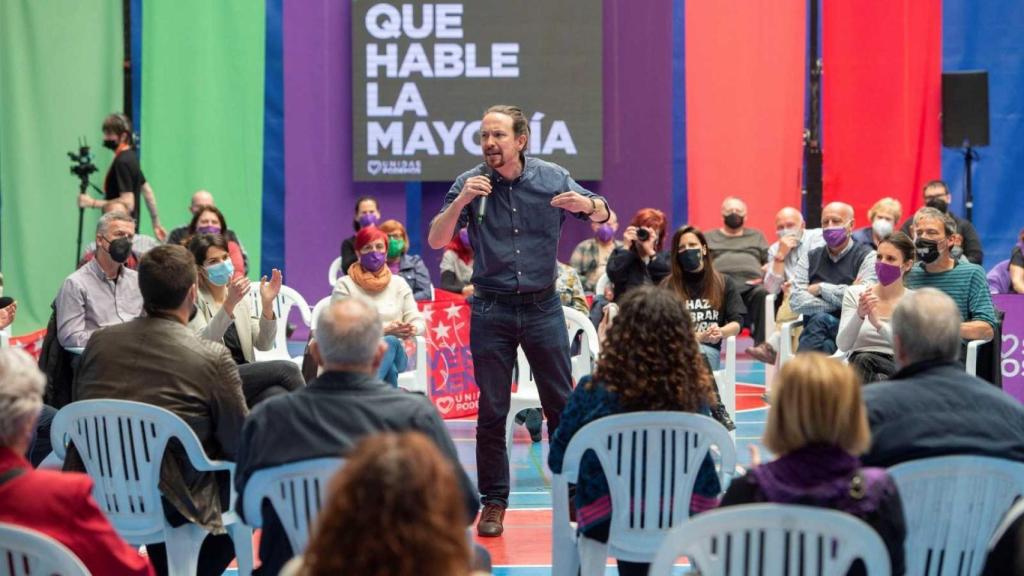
x: 514, y: 207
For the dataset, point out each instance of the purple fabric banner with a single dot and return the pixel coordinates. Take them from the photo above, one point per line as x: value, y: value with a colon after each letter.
x: 320, y: 193
x: 1012, y: 306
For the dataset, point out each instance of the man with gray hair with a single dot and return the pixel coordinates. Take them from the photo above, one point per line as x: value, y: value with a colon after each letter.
x: 56, y: 504
x: 345, y: 403
x: 103, y: 292
x: 935, y: 235
x: 930, y: 407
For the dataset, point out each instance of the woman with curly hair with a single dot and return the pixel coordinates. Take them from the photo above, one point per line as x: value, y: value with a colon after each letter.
x: 650, y: 361
x: 392, y: 510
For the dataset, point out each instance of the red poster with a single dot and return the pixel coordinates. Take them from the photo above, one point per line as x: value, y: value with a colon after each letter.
x: 452, y: 386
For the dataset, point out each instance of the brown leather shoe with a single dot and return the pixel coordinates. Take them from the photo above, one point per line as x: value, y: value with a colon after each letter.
x: 763, y: 352
x: 490, y: 524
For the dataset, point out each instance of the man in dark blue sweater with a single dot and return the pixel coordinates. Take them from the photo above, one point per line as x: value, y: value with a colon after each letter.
x: 931, y: 407
x: 330, y: 415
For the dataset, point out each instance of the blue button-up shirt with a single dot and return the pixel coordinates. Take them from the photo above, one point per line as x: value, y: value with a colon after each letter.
x: 516, y: 246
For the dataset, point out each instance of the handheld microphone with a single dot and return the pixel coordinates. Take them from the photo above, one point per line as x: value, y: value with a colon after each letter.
x: 483, y: 199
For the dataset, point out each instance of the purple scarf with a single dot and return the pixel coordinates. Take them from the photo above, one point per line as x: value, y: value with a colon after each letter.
x: 822, y: 475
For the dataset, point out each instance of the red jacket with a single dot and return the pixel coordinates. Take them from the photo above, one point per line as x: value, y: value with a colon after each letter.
x: 60, y: 505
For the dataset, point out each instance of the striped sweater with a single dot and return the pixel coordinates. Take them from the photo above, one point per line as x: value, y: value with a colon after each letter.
x: 965, y: 283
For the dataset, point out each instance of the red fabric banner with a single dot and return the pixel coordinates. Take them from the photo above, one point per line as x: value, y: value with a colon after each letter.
x: 881, y: 100
x: 452, y: 385
x: 744, y: 107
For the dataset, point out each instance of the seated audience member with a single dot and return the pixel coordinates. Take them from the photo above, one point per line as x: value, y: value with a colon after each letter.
x: 103, y: 292
x: 865, y: 330
x: 741, y: 253
x: 937, y: 196
x: 569, y: 287
x: 156, y: 359
x: 346, y: 403
x: 817, y: 428
x: 930, y: 407
x: 457, y: 265
x: 405, y: 481
x: 141, y: 243
x: 223, y: 315
x: 210, y: 220
x: 821, y: 278
x: 651, y: 362
x: 883, y: 215
x: 640, y: 260
x: 964, y: 282
x: 590, y: 257
x: 713, y: 301
x: 711, y: 297
x: 1017, y: 266
x: 367, y: 214
x: 408, y: 266
x: 200, y: 199
x: 58, y: 505
x: 794, y: 243
x: 390, y: 293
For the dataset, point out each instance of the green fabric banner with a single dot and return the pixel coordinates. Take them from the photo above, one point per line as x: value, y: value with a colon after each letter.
x: 202, y: 110
x: 60, y: 74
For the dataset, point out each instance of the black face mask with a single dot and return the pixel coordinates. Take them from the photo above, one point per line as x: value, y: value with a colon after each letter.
x: 120, y: 249
x: 110, y: 144
x: 192, y: 314
x: 927, y: 250
x: 733, y: 221
x: 689, y: 259
x: 939, y: 204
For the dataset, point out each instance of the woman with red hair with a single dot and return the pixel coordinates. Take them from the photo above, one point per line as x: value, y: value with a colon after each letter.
x: 640, y: 260
x: 371, y: 278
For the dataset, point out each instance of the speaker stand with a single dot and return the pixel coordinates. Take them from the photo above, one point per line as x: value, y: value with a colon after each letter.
x: 969, y: 157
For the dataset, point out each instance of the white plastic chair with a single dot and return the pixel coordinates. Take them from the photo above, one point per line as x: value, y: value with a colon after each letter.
x: 526, y: 394
x: 770, y: 329
x: 651, y: 460
x: 415, y: 380
x: 602, y: 283
x: 24, y: 552
x: 287, y: 298
x: 334, y: 272
x: 122, y: 444
x: 296, y: 491
x: 741, y: 538
x: 952, y: 506
x: 5, y: 338
x: 971, y: 360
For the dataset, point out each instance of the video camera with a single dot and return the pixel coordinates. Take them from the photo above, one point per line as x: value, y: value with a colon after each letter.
x: 81, y: 163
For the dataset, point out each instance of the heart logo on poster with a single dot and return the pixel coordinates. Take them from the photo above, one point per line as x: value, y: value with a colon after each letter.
x: 374, y: 167
x: 445, y: 404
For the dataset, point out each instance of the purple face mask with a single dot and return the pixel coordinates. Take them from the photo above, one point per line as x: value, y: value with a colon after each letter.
x: 368, y: 219
x: 464, y: 236
x: 208, y: 229
x: 834, y: 237
x: 605, y: 233
x: 372, y: 261
x: 887, y: 273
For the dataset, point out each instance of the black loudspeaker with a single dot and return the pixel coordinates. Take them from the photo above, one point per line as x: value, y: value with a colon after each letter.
x: 965, y: 109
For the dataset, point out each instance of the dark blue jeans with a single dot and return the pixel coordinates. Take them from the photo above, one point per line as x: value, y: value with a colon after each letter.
x: 496, y: 331
x: 819, y: 334
x: 395, y: 361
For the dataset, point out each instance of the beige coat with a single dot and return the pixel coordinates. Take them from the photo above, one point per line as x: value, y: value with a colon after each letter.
x: 211, y: 322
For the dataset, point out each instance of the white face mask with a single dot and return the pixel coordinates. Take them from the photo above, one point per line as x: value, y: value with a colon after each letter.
x: 882, y: 227
x: 786, y: 232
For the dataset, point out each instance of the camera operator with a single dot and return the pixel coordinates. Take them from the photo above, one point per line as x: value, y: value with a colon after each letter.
x: 124, y: 180
x: 640, y: 260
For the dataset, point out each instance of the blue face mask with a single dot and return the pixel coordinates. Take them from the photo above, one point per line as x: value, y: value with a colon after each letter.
x: 220, y: 274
